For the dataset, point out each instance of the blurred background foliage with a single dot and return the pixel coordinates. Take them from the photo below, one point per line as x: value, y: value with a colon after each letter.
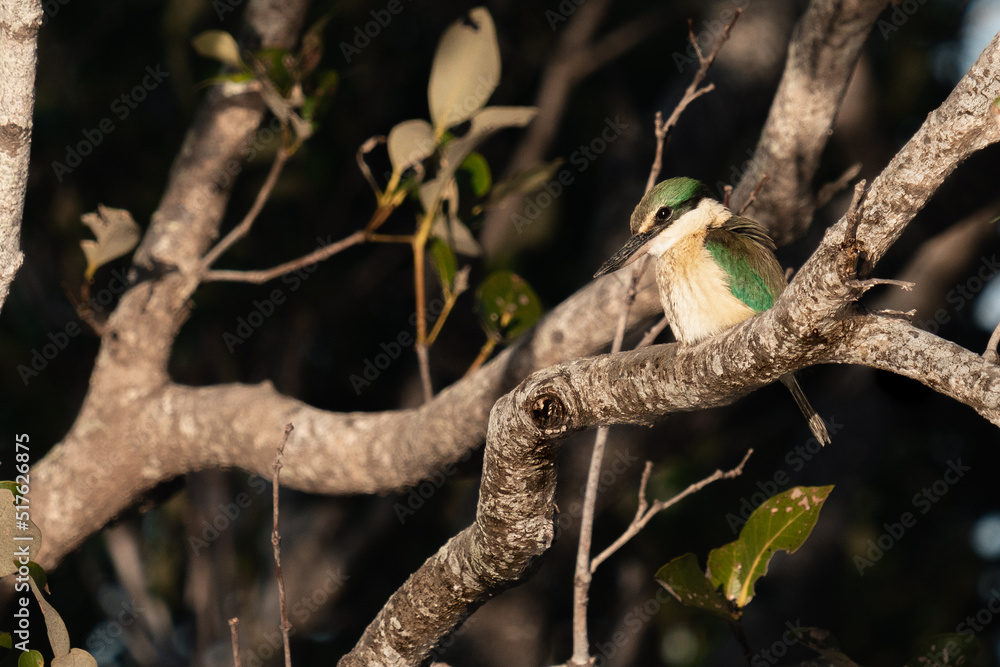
x: 158, y: 586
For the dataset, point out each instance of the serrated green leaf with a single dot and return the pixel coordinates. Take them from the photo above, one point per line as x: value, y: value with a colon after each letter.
x: 947, y: 650
x: 218, y: 45
x: 466, y: 70
x: 116, y: 232
x: 30, y: 658
x: 507, y: 305
x: 409, y: 143
x: 683, y: 578
x: 480, y: 177
x: 781, y: 523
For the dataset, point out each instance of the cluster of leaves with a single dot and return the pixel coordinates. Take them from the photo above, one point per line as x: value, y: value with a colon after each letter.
x: 292, y: 85
x: 426, y: 157
x: 17, y: 531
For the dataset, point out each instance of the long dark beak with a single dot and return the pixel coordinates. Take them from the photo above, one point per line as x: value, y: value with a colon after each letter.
x: 633, y: 249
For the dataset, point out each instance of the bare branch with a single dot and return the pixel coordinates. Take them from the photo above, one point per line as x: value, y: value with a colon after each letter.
x: 645, y: 512
x: 234, y: 633
x: 286, y: 626
x: 264, y: 275
x: 825, y: 46
x: 241, y: 230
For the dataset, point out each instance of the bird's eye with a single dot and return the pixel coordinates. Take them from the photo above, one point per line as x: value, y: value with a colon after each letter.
x: 663, y: 213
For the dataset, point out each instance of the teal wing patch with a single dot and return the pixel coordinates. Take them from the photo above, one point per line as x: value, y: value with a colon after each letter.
x: 755, y: 277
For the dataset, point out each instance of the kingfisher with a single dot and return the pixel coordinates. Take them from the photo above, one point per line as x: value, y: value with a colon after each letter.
x: 714, y: 269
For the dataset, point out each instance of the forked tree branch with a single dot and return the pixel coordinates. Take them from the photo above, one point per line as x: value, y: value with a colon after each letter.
x: 813, y: 322
x: 825, y: 46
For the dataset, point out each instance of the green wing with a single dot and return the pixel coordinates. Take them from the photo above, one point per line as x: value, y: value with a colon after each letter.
x: 746, y: 253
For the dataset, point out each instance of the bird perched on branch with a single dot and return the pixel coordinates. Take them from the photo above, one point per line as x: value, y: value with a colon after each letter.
x: 714, y: 269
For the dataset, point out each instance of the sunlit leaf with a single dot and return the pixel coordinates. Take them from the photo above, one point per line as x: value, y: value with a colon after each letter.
x: 409, y: 143
x: 76, y: 658
x: 507, y: 305
x: 117, y: 234
x: 480, y: 177
x: 16, y: 532
x: 218, y: 45
x: 30, y: 658
x: 781, y: 523
x: 54, y: 625
x: 683, y: 578
x: 466, y: 70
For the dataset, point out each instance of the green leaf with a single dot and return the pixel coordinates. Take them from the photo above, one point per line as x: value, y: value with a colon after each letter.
x: 780, y: 523
x: 16, y: 532
x: 947, y: 650
x: 466, y: 70
x: 410, y: 143
x: 116, y: 232
x: 507, y: 305
x: 30, y: 658
x: 444, y: 262
x: 478, y: 169
x: 218, y: 45
x: 683, y: 578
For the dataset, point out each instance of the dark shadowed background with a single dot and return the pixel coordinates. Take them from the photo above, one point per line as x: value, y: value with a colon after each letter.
x: 158, y: 587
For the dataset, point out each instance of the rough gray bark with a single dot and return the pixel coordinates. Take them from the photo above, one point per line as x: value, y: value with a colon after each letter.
x: 19, y: 24
x: 815, y: 321
x: 821, y: 57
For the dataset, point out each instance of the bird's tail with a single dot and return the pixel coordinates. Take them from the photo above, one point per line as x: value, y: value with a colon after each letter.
x: 816, y: 424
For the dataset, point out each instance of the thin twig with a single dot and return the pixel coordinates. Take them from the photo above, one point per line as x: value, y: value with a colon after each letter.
x: 424, y: 362
x: 240, y: 230
x: 581, y: 582
x: 234, y: 633
x: 990, y: 354
x: 753, y: 195
x: 693, y: 92
x: 829, y: 190
x: 262, y: 276
x: 646, y: 511
x: 660, y: 132
x: 286, y: 626
x: 653, y: 333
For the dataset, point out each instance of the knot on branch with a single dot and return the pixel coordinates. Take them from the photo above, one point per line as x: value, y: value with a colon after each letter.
x: 548, y: 412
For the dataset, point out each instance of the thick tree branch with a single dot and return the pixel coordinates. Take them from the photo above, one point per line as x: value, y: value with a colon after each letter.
x: 19, y: 24
x: 824, y: 48
x: 811, y: 323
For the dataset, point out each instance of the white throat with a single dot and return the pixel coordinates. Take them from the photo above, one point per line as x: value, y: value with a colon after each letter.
x: 691, y: 223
